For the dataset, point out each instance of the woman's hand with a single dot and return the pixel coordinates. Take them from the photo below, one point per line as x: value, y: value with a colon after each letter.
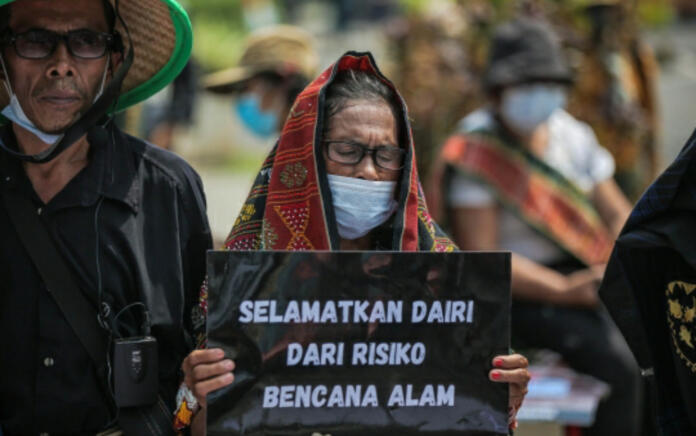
x: 512, y: 369
x: 206, y: 371
x: 582, y: 286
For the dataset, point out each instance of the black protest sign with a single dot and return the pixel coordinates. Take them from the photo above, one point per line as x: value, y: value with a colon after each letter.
x: 368, y: 343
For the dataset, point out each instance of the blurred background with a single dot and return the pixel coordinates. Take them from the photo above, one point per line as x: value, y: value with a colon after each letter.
x: 634, y: 63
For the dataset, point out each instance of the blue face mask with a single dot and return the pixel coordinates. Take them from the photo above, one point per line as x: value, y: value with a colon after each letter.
x: 249, y: 110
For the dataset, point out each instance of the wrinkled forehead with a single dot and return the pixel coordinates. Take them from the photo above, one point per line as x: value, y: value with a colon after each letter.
x: 365, y: 119
x: 58, y: 15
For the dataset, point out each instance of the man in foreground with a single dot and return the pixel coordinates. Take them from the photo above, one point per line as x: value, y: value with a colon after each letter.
x: 125, y: 219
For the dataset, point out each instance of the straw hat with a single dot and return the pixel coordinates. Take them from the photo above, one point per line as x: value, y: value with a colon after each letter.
x: 593, y: 3
x: 162, y: 39
x: 280, y: 49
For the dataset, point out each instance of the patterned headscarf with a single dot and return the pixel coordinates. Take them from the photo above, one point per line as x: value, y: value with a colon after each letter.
x: 289, y: 205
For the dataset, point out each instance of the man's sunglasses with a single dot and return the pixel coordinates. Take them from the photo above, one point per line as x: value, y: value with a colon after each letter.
x: 82, y: 43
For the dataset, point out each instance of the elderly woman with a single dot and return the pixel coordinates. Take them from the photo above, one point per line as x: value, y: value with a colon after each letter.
x: 342, y: 177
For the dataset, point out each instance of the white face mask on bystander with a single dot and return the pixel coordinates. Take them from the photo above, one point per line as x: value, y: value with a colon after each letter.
x: 526, y: 107
x: 14, y: 113
x: 361, y: 205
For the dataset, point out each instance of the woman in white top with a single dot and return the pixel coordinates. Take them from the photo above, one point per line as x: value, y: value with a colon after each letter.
x: 523, y: 175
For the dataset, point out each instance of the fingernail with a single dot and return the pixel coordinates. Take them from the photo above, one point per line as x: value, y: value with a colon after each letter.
x: 229, y: 364
x: 495, y: 375
x: 498, y: 362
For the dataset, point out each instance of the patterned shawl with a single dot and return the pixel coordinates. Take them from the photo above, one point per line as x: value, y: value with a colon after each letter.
x: 288, y: 207
x: 527, y: 187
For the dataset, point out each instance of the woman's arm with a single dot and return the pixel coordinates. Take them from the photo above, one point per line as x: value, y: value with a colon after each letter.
x: 533, y: 281
x: 612, y: 205
x: 476, y: 228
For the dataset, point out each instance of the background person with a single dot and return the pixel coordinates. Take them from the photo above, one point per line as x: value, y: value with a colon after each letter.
x: 276, y: 64
x: 523, y: 175
x: 616, y: 92
x: 366, y: 171
x: 127, y: 219
x: 162, y: 117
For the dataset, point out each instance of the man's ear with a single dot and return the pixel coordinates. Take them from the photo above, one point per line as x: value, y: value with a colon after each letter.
x: 116, y: 60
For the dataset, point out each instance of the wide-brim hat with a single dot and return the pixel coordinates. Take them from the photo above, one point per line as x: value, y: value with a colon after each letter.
x: 283, y: 49
x: 583, y: 4
x: 522, y: 51
x: 160, y: 31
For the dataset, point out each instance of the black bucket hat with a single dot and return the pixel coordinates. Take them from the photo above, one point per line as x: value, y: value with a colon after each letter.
x: 523, y: 51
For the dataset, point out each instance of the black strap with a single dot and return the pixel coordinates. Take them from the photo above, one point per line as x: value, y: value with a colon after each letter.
x: 155, y: 420
x: 59, y: 281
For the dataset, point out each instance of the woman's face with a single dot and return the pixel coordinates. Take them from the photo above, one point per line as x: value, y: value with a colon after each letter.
x: 370, y: 123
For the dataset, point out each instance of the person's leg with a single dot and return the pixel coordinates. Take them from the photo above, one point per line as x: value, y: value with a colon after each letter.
x: 590, y: 343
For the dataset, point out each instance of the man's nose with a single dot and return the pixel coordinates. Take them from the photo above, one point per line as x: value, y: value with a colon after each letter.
x: 62, y: 63
x: 366, y: 168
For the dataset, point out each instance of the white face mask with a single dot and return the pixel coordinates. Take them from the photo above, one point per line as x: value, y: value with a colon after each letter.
x: 361, y: 205
x: 526, y: 107
x: 15, y: 113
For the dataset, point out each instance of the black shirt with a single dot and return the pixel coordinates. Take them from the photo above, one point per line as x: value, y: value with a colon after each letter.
x: 148, y: 209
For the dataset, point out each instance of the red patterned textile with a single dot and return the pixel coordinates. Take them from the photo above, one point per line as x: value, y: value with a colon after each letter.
x: 533, y: 191
x: 286, y: 208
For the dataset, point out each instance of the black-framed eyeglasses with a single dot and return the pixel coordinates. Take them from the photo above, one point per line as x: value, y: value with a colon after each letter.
x: 352, y: 153
x: 42, y: 43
